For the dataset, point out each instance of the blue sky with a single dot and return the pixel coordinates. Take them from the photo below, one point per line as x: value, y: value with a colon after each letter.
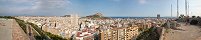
x: 131, y: 8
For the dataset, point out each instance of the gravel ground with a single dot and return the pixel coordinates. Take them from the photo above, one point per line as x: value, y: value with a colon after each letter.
x: 189, y: 32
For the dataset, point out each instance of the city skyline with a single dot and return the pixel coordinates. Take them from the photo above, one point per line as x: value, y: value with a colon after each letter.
x: 132, y: 8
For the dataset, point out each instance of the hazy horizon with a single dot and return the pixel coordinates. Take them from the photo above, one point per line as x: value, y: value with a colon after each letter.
x: 114, y: 8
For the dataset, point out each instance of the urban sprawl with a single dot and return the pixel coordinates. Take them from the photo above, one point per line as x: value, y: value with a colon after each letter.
x: 98, y: 27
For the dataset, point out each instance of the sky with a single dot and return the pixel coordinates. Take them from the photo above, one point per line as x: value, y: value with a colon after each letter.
x: 126, y: 8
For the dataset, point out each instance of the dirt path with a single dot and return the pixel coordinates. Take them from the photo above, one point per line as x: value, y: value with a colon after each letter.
x: 189, y: 32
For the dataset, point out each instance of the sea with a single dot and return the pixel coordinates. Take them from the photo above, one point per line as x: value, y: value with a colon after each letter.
x: 139, y: 17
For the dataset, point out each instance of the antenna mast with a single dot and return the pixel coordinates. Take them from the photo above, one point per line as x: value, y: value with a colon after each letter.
x: 186, y: 8
x: 177, y: 8
x: 171, y: 10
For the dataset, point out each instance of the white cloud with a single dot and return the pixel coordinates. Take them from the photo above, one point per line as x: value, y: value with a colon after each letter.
x: 142, y: 1
x: 21, y: 1
x: 35, y: 7
x: 42, y: 4
x: 51, y: 7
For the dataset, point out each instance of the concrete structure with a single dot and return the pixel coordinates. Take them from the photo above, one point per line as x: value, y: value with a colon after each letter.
x: 10, y: 30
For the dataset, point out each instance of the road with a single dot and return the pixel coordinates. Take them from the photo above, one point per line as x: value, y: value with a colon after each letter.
x: 189, y: 32
x: 10, y: 30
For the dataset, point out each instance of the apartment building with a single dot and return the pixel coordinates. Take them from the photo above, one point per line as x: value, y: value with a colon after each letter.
x: 124, y: 33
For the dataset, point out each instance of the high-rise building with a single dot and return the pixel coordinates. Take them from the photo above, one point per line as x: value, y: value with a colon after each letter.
x: 158, y: 16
